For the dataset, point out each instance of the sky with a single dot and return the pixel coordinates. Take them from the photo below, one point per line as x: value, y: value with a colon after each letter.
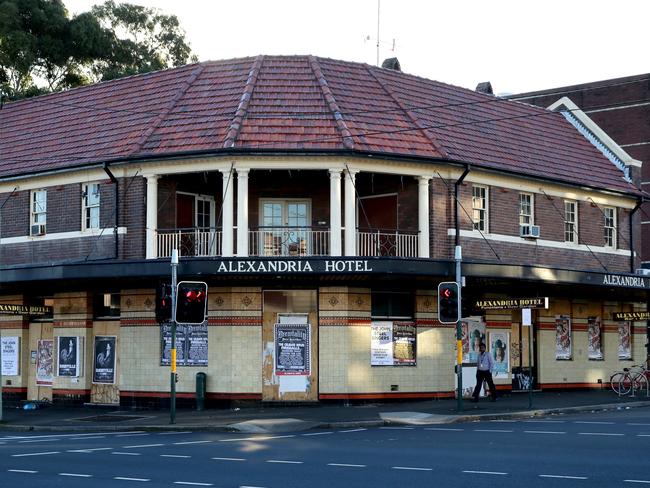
x: 517, y: 45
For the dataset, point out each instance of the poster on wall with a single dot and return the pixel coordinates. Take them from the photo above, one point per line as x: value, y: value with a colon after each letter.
x: 594, y: 338
x: 10, y: 351
x: 104, y: 360
x: 44, y: 362
x: 191, y: 344
x: 475, y: 335
x: 404, y: 344
x: 624, y: 340
x: 498, y: 344
x: 69, y: 356
x: 563, y: 349
x: 292, y: 349
x: 464, y: 338
x: 381, y: 344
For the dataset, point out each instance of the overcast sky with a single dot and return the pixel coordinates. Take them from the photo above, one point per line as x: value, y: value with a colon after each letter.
x: 518, y: 45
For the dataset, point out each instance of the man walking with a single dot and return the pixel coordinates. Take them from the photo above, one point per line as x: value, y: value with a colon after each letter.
x: 484, y: 367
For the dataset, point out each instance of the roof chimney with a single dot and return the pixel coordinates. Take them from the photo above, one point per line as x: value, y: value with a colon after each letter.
x: 485, y: 87
x: 391, y: 63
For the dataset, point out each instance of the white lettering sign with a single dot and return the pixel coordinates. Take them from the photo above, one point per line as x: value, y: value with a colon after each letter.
x: 10, y: 356
x: 294, y: 266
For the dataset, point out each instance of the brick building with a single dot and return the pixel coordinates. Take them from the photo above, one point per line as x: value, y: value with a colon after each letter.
x: 321, y: 201
x: 621, y: 108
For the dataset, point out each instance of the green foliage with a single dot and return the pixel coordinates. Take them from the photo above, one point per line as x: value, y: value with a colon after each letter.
x: 42, y: 49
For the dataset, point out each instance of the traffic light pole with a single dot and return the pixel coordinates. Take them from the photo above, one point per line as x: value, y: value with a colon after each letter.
x: 458, y: 257
x: 172, y: 396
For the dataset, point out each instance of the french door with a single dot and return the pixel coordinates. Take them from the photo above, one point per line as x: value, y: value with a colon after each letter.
x: 285, y: 227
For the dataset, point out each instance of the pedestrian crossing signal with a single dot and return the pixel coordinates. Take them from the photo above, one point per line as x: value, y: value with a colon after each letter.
x: 448, y: 309
x: 191, y: 302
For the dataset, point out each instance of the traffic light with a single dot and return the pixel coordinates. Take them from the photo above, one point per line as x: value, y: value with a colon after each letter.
x: 191, y: 302
x: 164, y: 303
x: 448, y: 302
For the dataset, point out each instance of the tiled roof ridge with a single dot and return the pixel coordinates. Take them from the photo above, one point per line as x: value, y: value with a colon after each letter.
x: 161, y: 116
x: 348, y: 142
x: 235, y: 126
x: 423, y: 129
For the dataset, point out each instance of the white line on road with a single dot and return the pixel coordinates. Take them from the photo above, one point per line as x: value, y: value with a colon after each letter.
x: 503, y: 421
x: 76, y: 475
x: 501, y: 473
x: 643, y: 435
x: 126, y: 453
x: 69, y: 435
x: 351, y: 430
x: 36, y: 454
x: 409, y: 468
x: 396, y: 428
x: 543, y: 432
x: 492, y: 430
x: 132, y: 435
x: 174, y: 433
x: 543, y: 421
x: 599, y: 433
x: 84, y: 438
x: 228, y: 459
x: 192, y: 483
x: 261, y: 438
x: 280, y: 461
x: 563, y: 476
x: 175, y: 456
x: 637, y: 481
x: 589, y: 422
x: 191, y: 442
x: 39, y: 440
x: 637, y: 423
x: 90, y: 450
x: 447, y: 429
x: 317, y: 433
x: 28, y: 471
x: 248, y: 486
x: 123, y: 478
x: 142, y: 445
x: 347, y: 465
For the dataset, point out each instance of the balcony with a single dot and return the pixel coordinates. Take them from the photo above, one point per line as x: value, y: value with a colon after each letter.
x: 285, y: 241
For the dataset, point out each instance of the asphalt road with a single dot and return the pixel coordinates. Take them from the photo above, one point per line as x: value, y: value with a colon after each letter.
x: 605, y: 449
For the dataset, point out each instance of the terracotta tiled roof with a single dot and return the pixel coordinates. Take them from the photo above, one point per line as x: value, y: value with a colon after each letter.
x: 278, y: 103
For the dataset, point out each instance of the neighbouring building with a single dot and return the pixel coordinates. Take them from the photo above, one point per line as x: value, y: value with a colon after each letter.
x: 321, y: 201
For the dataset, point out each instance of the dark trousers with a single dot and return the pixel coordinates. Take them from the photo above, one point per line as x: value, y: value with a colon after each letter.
x: 482, y: 376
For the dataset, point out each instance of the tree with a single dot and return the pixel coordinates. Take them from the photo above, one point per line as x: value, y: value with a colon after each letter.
x: 43, y: 50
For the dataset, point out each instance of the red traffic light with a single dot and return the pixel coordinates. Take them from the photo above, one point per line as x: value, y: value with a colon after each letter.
x: 191, y: 303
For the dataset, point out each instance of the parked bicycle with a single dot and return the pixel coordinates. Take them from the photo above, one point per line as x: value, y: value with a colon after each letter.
x: 629, y: 380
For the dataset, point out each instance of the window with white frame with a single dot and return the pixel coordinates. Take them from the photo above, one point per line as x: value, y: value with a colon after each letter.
x: 571, y: 221
x: 610, y: 226
x: 38, y: 212
x: 526, y: 209
x: 90, y: 204
x: 480, y: 208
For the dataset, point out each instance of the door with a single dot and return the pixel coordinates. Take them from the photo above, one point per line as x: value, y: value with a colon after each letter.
x: 195, y: 217
x: 377, y: 223
x: 285, y: 228
x: 290, y: 346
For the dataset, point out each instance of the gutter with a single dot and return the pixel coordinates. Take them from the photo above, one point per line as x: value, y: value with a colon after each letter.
x: 117, y: 207
x: 631, y: 218
x: 459, y: 181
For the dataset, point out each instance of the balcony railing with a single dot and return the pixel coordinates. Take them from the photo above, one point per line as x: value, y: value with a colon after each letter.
x: 285, y: 241
x: 289, y: 241
x: 387, y: 243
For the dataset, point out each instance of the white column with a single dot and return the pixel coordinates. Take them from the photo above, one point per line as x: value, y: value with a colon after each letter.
x: 242, y: 211
x: 423, y: 216
x: 227, y: 214
x: 335, y: 212
x: 152, y: 216
x: 350, y: 214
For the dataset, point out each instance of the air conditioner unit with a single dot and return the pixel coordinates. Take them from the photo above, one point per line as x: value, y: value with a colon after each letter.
x: 530, y: 231
x: 643, y: 271
x: 38, y: 229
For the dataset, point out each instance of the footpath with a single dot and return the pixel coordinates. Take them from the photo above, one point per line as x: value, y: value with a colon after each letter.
x: 277, y: 419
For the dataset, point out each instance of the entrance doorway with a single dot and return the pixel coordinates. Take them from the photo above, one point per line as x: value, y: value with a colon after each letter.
x: 290, y: 346
x: 377, y: 223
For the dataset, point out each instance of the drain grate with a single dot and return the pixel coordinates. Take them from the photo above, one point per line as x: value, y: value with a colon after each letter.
x: 111, y: 418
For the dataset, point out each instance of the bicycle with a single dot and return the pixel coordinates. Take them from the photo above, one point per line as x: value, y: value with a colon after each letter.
x: 630, y: 380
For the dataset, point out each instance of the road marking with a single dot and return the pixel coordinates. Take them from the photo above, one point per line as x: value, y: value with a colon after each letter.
x: 142, y: 445
x: 637, y: 481
x: 130, y: 479
x: 191, y: 442
x: 132, y: 435
x: 637, y: 423
x: 409, y: 468
x: 318, y: 433
x: 28, y: 471
x: 563, y: 476
x: 84, y: 438
x: 501, y: 473
x: 503, y: 421
x: 544, y: 421
x: 543, y: 432
x: 261, y: 438
x: 586, y: 422
x: 396, y: 428
x: 351, y: 430
x: 16, y: 437
x: 192, y: 483
x: 280, y: 461
x: 36, y: 454
x: 77, y: 475
x: 174, y: 433
x: 599, y: 433
x: 247, y: 486
x: 492, y: 430
x: 227, y: 459
x: 39, y: 440
x: 90, y: 450
x: 347, y: 465
x: 126, y: 453
x: 175, y: 456
x: 449, y: 429
x: 643, y: 435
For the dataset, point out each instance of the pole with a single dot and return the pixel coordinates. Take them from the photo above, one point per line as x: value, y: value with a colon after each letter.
x: 0, y: 374
x: 172, y: 398
x: 530, y: 364
x: 458, y: 256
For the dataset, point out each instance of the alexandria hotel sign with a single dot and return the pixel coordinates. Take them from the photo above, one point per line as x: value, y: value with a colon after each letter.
x: 256, y: 266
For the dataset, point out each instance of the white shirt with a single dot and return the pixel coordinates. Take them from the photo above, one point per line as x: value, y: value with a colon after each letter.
x: 485, y: 362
